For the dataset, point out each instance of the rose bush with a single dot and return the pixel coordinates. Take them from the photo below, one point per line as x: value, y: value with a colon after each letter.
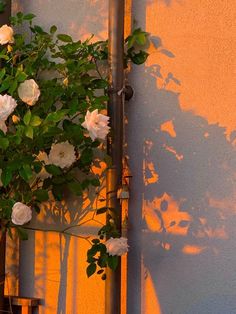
x: 52, y: 122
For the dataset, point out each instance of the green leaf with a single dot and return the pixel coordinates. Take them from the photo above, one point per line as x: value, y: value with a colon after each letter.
x: 27, y: 117
x: 38, y: 29
x: 12, y: 87
x: 76, y: 188
x: 37, y: 166
x: 113, y: 262
x: 19, y: 15
x: 95, y: 241
x: 57, y: 192
x: 26, y: 172
x: 35, y: 121
x: 21, y: 77
x: 5, y: 57
x: 29, y: 131
x: 101, y: 210
x: 56, y: 116
x: 41, y: 195
x: 2, y: 6
x: 64, y: 38
x: 5, y: 85
x: 22, y: 233
x: 37, y: 208
x: 91, y: 269
x: 29, y: 16
x: 99, y: 272
x: 53, y: 29
x: 6, y: 176
x: 2, y: 73
x: 140, y: 57
x: 95, y: 182
x: 4, y: 143
x: 54, y: 170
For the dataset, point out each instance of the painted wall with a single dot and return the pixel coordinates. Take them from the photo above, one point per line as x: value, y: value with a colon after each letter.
x: 181, y: 145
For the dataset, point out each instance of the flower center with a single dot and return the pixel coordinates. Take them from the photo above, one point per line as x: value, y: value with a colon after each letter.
x: 62, y: 154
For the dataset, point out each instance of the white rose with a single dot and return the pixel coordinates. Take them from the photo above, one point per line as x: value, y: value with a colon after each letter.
x: 7, y: 106
x: 62, y: 154
x: 97, y: 124
x: 29, y: 92
x: 43, y: 174
x: 6, y: 35
x: 21, y: 214
x: 3, y: 126
x: 117, y: 246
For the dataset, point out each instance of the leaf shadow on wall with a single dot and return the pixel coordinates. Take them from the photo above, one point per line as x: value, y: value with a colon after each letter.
x: 74, y: 17
x: 55, y: 259
x: 183, y: 199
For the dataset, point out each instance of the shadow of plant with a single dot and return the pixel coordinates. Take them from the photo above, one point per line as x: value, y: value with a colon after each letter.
x: 182, y: 197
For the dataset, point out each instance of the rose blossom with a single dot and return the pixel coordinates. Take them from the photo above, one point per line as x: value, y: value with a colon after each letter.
x: 117, y: 246
x: 62, y: 154
x: 29, y: 92
x: 97, y: 124
x: 7, y: 106
x: 3, y: 127
x: 6, y: 35
x: 21, y: 214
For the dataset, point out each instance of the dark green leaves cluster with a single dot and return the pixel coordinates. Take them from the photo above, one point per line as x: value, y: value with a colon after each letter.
x: 2, y: 5
x: 135, y: 44
x: 99, y: 259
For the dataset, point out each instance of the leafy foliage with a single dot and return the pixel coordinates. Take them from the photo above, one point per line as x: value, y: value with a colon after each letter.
x: 71, y: 82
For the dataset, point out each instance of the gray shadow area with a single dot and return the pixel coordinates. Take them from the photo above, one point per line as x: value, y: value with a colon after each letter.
x: 196, y: 167
x: 75, y: 18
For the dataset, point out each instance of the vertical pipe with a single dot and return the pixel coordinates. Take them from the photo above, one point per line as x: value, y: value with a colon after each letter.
x: 4, y: 19
x: 115, y: 140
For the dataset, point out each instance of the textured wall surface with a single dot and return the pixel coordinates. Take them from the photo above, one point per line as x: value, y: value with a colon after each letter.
x: 182, y: 209
x: 183, y: 203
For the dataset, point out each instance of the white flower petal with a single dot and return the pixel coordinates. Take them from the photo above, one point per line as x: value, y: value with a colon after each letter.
x: 62, y: 154
x: 117, y: 246
x: 3, y: 126
x: 96, y: 124
x: 29, y: 92
x: 7, y: 106
x: 21, y: 214
x: 6, y: 35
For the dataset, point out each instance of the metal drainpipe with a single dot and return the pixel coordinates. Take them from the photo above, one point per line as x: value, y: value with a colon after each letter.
x: 4, y: 19
x: 115, y: 140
